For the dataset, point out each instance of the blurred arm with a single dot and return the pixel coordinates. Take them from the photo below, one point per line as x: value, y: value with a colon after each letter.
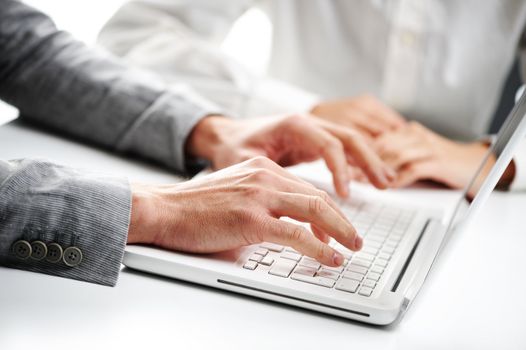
x: 59, y: 82
x: 181, y: 39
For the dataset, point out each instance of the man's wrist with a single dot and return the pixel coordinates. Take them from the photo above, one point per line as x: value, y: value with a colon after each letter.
x: 206, y: 136
x: 143, y: 215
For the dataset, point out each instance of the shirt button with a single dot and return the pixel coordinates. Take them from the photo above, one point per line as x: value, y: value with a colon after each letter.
x: 38, y: 250
x: 54, y: 253
x: 408, y: 38
x: 72, y: 256
x: 22, y: 249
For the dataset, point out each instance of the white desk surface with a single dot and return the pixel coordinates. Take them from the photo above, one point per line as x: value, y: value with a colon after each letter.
x: 474, y: 298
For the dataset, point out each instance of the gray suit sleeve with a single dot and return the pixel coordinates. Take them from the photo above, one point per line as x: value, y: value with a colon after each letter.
x: 42, y: 201
x: 60, y: 83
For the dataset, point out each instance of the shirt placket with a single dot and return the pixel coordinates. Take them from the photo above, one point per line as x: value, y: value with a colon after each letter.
x: 404, y: 59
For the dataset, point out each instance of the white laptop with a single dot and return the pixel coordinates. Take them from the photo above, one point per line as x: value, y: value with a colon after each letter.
x: 375, y: 285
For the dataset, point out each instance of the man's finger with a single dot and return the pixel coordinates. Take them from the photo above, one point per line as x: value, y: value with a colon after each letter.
x: 366, y: 122
x: 329, y: 148
x: 320, y: 234
x: 287, y: 182
x: 315, y: 210
x: 303, y: 241
x: 376, y: 170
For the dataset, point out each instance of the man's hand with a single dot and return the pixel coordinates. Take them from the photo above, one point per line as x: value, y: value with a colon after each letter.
x: 239, y: 206
x: 364, y: 113
x: 418, y: 153
x: 287, y: 141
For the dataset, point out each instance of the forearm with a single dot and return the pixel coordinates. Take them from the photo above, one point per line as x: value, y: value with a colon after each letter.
x: 41, y: 201
x: 59, y: 82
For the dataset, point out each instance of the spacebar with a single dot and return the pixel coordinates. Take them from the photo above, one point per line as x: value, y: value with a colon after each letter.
x: 320, y: 281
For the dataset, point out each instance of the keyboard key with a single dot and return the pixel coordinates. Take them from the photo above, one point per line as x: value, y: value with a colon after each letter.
x: 365, y: 256
x: 380, y: 231
x: 320, y: 281
x: 307, y: 271
x: 397, y: 233
x: 261, y: 251
x: 384, y: 256
x: 310, y: 262
x: 347, y: 285
x: 267, y: 261
x: 272, y: 247
x: 292, y: 250
x: 391, y: 243
x: 372, y: 244
x: 369, y: 283
x: 388, y: 250
x: 373, y: 276
x: 381, y: 263
x: 341, y: 248
x: 353, y: 276
x: 375, y: 238
x: 356, y: 268
x: 365, y: 291
x: 291, y: 256
x: 255, y: 257
x: 346, y: 254
x: 370, y: 250
x: 377, y: 269
x: 250, y: 265
x: 338, y: 269
x: 328, y: 274
x: 282, y: 267
x: 361, y: 262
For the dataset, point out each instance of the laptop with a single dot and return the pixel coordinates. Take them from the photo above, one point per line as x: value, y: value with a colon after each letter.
x: 375, y: 285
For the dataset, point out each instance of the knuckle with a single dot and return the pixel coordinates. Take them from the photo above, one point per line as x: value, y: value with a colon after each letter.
x: 260, y: 161
x: 261, y: 175
x: 321, y: 252
x: 293, y: 120
x: 297, y: 234
x: 324, y: 195
x: 333, y: 144
x: 316, y: 205
x: 253, y: 192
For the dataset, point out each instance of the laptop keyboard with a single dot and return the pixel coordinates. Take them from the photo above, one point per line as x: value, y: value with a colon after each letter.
x: 382, y: 228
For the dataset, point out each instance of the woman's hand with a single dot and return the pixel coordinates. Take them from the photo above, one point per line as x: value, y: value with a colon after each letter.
x: 288, y: 140
x: 417, y: 153
x: 364, y: 113
x: 238, y: 206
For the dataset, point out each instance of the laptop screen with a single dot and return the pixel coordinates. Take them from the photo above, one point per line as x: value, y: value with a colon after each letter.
x: 499, y: 155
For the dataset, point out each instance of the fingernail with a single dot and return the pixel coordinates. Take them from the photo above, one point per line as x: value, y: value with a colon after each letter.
x: 337, y: 259
x: 358, y: 242
x: 344, y: 189
x: 391, y: 174
x: 383, y: 179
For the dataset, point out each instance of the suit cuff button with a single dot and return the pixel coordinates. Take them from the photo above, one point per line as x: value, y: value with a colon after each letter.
x: 54, y: 253
x: 22, y: 249
x: 72, y: 256
x: 38, y: 250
